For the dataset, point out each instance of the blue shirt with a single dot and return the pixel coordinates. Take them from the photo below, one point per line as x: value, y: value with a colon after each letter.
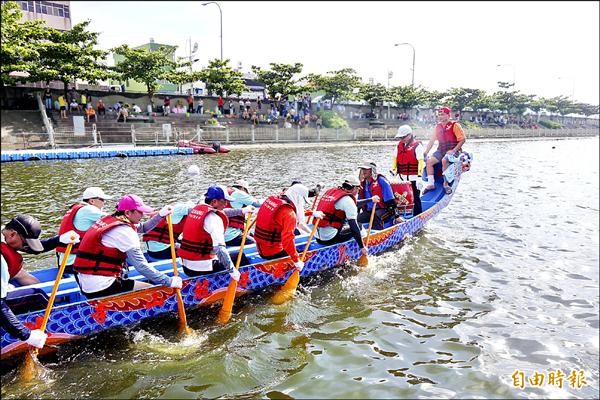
x: 386, y: 190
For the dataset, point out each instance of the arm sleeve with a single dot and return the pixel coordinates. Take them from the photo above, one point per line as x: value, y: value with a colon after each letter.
x: 136, y: 258
x: 233, y: 212
x: 10, y: 323
x: 47, y: 244
x: 224, y: 257
x: 149, y: 225
x: 386, y: 190
x: 356, y: 232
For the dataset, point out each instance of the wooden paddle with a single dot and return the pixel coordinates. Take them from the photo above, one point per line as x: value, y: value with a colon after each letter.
x: 363, y: 261
x: 183, y: 326
x: 225, y: 311
x: 31, y: 365
x: 314, y: 204
x: 288, y: 290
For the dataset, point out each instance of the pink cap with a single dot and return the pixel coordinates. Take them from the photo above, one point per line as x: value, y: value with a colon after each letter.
x: 131, y: 202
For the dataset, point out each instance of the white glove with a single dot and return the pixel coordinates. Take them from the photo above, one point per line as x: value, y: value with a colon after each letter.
x: 176, y: 282
x: 37, y: 338
x: 299, y: 265
x: 419, y: 184
x: 375, y: 199
x: 248, y: 210
x: 235, y: 274
x: 318, y: 214
x: 69, y: 237
x: 166, y: 210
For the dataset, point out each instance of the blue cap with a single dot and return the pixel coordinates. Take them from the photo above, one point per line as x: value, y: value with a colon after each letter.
x: 216, y: 193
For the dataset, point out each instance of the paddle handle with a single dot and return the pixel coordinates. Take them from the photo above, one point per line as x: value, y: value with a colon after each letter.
x: 246, y: 230
x: 180, y: 304
x: 312, y: 233
x: 172, y: 242
x: 314, y: 205
x: 370, y: 225
x: 59, y: 275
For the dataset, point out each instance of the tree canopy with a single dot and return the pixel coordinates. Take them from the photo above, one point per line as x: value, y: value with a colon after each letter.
x: 338, y: 85
x: 220, y: 78
x: 281, y: 78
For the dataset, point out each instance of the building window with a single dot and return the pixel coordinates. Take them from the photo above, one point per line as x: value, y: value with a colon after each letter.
x: 38, y: 8
x: 61, y: 13
x: 24, y: 6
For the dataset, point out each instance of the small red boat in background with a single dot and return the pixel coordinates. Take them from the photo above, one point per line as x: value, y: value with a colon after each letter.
x: 204, y: 148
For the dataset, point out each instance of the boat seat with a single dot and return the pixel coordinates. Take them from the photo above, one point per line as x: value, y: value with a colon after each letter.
x: 26, y: 300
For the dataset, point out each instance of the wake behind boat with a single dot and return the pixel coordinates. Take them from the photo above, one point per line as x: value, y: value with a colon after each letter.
x: 74, y: 316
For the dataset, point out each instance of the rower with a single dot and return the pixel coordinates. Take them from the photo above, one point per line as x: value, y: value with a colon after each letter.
x: 79, y: 218
x: 22, y: 234
x: 276, y: 221
x: 240, y: 193
x: 338, y: 207
x: 110, y: 242
x: 376, y: 184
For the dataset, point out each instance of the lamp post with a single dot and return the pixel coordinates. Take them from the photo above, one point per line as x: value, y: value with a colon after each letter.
x: 514, y: 74
x: 390, y: 74
x: 413, y: 63
x: 221, y: 15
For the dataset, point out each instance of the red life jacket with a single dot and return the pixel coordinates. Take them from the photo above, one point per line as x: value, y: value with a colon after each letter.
x: 446, y: 138
x: 197, y: 244
x: 237, y: 221
x: 375, y: 190
x: 332, y: 216
x: 67, y: 225
x: 14, y: 260
x: 160, y: 233
x: 93, y: 257
x: 406, y: 159
x: 267, y: 232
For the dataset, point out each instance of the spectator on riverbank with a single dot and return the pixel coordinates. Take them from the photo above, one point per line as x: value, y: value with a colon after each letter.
x: 190, y: 102
x: 100, y: 107
x: 166, y: 106
x: 48, y: 99
x: 90, y: 113
x: 200, y: 107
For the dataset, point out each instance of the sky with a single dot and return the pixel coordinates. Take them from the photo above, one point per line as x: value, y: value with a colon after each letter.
x: 546, y: 48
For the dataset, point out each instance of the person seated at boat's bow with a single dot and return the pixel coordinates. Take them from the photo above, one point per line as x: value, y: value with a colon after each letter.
x: 22, y: 234
x: 79, y: 218
x: 376, y: 184
x: 339, y: 205
x: 202, y: 249
x: 110, y: 242
x: 276, y: 221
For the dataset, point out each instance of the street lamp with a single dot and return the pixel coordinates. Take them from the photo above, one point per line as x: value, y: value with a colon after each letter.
x: 514, y: 74
x: 413, y: 64
x: 221, y: 14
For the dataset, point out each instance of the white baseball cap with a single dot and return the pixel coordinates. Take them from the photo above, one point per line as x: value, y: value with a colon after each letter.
x: 403, y: 131
x: 243, y: 184
x: 93, y: 192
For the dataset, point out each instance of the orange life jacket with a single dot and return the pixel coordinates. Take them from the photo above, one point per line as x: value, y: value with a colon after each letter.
x: 446, y: 138
x: 332, y: 216
x: 160, y: 233
x: 267, y: 232
x: 67, y: 225
x: 196, y: 243
x: 406, y: 159
x: 14, y: 260
x: 93, y: 257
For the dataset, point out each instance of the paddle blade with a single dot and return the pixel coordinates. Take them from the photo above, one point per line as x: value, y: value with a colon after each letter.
x: 184, y: 329
x: 363, y: 261
x: 225, y: 311
x: 288, y: 290
x: 31, y: 368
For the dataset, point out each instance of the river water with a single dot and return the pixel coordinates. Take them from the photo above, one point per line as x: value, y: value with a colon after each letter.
x: 502, y: 285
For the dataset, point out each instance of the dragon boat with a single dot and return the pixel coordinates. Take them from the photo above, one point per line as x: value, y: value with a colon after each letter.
x: 73, y: 316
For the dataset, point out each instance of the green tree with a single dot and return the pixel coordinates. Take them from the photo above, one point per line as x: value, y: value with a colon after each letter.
x: 221, y: 79
x: 407, y: 97
x: 373, y: 94
x: 433, y: 98
x: 281, y: 78
x: 18, y: 44
x: 459, y: 98
x: 70, y: 55
x: 147, y: 67
x: 338, y: 85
